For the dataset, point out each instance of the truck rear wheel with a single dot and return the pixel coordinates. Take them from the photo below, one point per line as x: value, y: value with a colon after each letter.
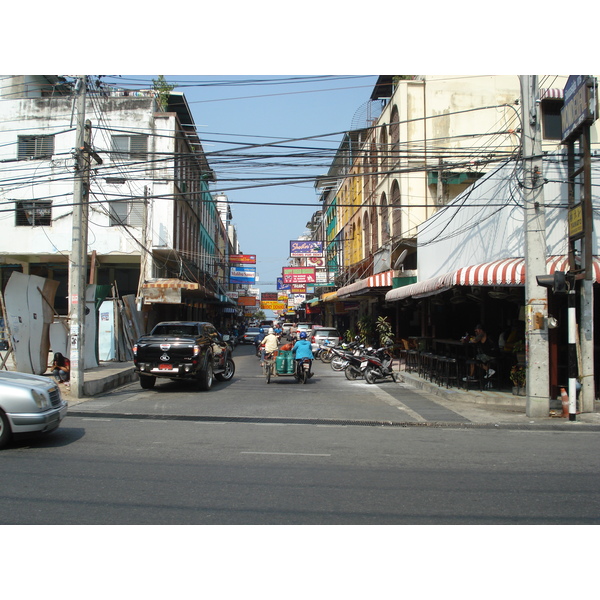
x: 147, y: 381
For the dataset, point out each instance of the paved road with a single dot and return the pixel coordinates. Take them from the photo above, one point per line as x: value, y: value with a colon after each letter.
x: 329, y: 452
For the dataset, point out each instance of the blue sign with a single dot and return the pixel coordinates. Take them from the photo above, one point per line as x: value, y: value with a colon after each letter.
x: 242, y: 275
x: 283, y: 286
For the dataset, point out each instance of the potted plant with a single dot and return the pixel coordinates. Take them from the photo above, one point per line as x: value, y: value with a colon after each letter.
x: 519, y: 350
x: 518, y: 376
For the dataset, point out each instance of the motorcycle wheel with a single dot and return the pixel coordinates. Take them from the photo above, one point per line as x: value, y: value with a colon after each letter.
x: 370, y: 375
x: 304, y: 375
x: 350, y: 373
x: 326, y: 356
x: 337, y: 363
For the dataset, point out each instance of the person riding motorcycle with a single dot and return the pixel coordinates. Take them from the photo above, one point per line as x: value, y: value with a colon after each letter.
x: 268, y: 345
x: 302, y: 349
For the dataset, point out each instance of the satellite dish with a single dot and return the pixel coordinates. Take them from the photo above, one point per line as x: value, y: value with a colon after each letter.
x: 400, y: 259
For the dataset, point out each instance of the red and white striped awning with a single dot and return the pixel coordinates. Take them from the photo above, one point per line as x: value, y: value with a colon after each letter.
x: 505, y: 272
x: 374, y: 281
x: 551, y: 93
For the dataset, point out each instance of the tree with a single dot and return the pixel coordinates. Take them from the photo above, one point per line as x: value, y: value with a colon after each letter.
x: 164, y: 90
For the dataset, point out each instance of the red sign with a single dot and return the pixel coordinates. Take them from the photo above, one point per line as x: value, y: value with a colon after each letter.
x: 248, y: 259
x: 299, y: 275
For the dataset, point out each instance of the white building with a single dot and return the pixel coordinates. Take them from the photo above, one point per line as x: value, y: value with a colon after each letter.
x: 149, y: 201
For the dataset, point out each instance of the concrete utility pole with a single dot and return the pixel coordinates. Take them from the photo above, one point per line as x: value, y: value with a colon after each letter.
x: 78, y: 264
x: 536, y: 298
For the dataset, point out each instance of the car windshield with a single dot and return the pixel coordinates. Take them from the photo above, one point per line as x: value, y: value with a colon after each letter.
x: 326, y: 333
x: 252, y: 330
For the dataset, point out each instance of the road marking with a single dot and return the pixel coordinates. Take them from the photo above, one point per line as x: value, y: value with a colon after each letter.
x: 389, y: 399
x: 286, y: 453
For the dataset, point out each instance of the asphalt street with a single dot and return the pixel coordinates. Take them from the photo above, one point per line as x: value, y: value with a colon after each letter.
x: 329, y: 452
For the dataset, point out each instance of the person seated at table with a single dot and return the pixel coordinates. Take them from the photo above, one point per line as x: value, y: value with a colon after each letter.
x: 484, y: 352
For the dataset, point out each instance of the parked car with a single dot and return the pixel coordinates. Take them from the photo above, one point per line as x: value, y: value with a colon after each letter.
x: 250, y: 335
x: 318, y: 336
x: 183, y: 350
x: 28, y: 403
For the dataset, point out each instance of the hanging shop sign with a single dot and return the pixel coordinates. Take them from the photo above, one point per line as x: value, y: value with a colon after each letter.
x: 268, y: 296
x: 246, y: 301
x: 249, y: 259
x: 282, y: 286
x: 273, y: 305
x: 305, y: 248
x: 242, y: 275
x: 299, y: 275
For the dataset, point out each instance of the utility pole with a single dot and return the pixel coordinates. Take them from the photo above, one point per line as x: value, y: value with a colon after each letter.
x: 536, y: 297
x: 78, y: 263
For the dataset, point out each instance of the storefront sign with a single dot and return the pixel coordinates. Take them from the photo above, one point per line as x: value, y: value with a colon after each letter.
x: 305, y: 248
x: 249, y: 259
x: 273, y: 305
x: 299, y: 275
x: 580, y: 105
x: 247, y: 301
x: 242, y: 275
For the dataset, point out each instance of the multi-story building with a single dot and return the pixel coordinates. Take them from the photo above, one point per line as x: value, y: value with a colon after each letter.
x: 153, y: 227
x: 434, y: 137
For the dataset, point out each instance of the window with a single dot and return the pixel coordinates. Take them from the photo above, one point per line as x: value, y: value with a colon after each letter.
x: 127, y: 212
x: 31, y: 213
x: 551, y: 122
x: 129, y: 147
x: 35, y: 146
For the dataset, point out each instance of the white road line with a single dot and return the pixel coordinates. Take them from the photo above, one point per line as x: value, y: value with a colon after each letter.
x: 286, y: 453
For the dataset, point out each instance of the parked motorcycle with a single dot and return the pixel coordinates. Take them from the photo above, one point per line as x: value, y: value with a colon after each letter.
x: 342, y: 353
x: 379, y: 366
x: 357, y: 363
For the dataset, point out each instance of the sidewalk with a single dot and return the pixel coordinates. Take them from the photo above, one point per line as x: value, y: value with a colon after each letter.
x: 493, y: 406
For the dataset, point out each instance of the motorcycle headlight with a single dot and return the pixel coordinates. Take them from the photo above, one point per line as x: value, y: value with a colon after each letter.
x: 40, y: 399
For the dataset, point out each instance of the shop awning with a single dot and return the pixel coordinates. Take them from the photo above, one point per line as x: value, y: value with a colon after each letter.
x: 374, y: 281
x: 505, y: 272
x: 329, y: 297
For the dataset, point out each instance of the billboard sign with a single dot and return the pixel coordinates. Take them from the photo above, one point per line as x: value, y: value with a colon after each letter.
x: 249, y: 259
x: 247, y: 301
x: 242, y: 275
x: 305, y: 248
x: 273, y: 305
x: 268, y: 296
x: 299, y: 275
x: 282, y: 286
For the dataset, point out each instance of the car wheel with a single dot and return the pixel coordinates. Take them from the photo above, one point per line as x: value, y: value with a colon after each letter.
x: 5, y: 431
x: 228, y: 372
x: 205, y: 379
x: 147, y: 381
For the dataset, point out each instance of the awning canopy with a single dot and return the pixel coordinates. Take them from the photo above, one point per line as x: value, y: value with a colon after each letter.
x: 505, y: 272
x: 374, y: 281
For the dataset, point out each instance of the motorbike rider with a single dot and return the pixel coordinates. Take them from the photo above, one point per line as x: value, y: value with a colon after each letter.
x: 259, y: 338
x: 268, y: 345
x: 302, y: 349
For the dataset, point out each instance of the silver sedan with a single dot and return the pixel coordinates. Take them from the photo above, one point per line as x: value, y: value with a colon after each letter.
x: 28, y: 404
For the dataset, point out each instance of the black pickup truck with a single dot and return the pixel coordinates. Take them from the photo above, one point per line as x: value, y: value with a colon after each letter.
x: 183, y: 350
